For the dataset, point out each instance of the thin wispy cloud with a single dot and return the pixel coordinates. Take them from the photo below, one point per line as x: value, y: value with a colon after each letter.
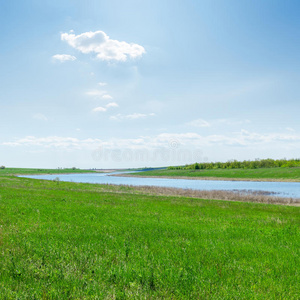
x: 198, y: 123
x: 105, y: 48
x: 217, y: 122
x: 107, y: 96
x: 243, y: 138
x: 290, y: 129
x: 231, y: 121
x: 40, y: 117
x: 134, y: 116
x: 96, y: 93
x: 102, y: 83
x: 57, y: 142
x: 63, y: 57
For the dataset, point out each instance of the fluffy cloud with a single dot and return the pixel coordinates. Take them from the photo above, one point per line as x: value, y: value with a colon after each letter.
x: 99, y: 94
x: 103, y: 109
x: 112, y: 104
x: 98, y: 42
x: 99, y: 109
x: 63, y: 57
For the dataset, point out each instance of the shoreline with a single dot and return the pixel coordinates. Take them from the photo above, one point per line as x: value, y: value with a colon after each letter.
x: 219, y: 195
x: 210, y: 178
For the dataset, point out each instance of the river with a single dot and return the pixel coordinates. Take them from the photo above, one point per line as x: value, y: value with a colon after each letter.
x: 279, y: 189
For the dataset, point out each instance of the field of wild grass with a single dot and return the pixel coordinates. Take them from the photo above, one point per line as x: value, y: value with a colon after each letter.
x: 31, y: 171
x: 62, y: 240
x: 285, y: 174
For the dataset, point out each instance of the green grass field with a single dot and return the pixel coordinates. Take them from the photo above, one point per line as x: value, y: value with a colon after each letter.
x: 62, y: 240
x: 24, y: 171
x: 264, y: 173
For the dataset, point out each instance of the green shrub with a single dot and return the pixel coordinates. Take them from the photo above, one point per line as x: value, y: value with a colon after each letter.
x: 246, y: 164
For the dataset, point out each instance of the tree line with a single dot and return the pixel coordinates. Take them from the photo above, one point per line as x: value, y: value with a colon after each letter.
x: 246, y: 164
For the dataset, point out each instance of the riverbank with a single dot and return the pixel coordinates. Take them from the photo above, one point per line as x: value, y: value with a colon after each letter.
x: 263, y: 174
x: 237, y: 195
x: 207, y: 178
x: 108, y: 242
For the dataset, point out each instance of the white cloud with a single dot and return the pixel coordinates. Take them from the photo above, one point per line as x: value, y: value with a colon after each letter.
x: 112, y: 104
x: 231, y: 121
x: 99, y: 109
x: 106, y: 96
x: 102, y: 83
x: 46, y: 142
x: 103, y: 109
x: 63, y: 57
x: 134, y: 116
x: 40, y: 117
x: 198, y: 123
x: 217, y: 122
x: 243, y: 138
x: 99, y: 94
x: 188, y: 140
x: 98, y: 42
x: 290, y: 129
x: 96, y: 93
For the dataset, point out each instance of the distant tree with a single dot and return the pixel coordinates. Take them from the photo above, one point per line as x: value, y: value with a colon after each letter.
x: 2, y: 167
x: 246, y: 164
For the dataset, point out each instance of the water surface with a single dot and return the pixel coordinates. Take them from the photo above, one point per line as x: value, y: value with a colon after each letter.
x: 280, y: 189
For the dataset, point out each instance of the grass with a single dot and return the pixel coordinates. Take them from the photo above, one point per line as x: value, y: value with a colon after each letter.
x: 61, y: 240
x: 292, y: 174
x: 24, y: 171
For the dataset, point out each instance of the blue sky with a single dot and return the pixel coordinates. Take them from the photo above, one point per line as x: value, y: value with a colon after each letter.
x: 106, y: 84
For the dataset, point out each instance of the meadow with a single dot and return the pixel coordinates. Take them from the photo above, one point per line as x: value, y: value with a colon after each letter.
x: 282, y: 174
x: 32, y: 171
x: 61, y: 240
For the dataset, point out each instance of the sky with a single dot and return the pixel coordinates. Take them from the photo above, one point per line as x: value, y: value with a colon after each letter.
x: 120, y: 84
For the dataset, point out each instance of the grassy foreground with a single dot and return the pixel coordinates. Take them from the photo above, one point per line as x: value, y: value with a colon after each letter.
x: 292, y: 174
x: 62, y: 240
x: 24, y: 171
